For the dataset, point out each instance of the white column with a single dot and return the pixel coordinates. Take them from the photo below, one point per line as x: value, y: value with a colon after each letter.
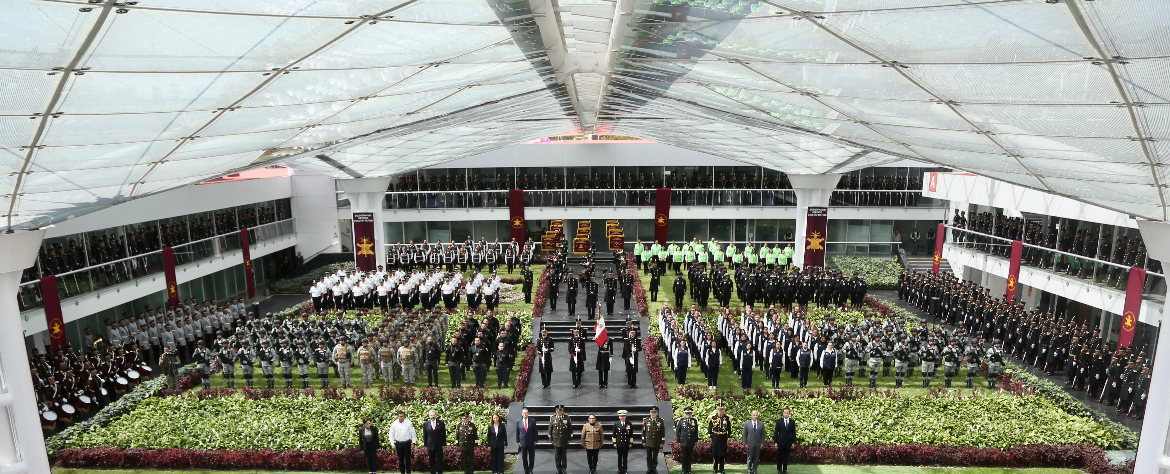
x: 22, y: 446
x: 812, y: 190
x: 1151, y: 454
x: 367, y: 195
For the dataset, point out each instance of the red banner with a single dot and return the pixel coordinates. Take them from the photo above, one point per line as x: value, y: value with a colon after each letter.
x: 52, y: 301
x: 249, y: 277
x: 938, y: 246
x: 1133, y: 306
x: 617, y: 242
x: 816, y: 232
x: 364, y: 240
x: 1013, y: 276
x: 548, y: 242
x: 172, y: 280
x: 661, y: 215
x: 516, y: 209
x: 580, y: 246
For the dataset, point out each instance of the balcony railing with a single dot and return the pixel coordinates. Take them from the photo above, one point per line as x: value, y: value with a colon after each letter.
x: 648, y: 197
x: 1101, y: 273
x: 131, y: 270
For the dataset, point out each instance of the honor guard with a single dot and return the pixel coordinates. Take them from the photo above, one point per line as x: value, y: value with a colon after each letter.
x: 545, y: 347
x: 719, y: 427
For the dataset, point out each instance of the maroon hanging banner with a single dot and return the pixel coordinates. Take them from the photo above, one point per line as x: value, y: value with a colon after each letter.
x: 1133, y: 306
x: 1013, y: 276
x: 516, y: 215
x: 816, y: 232
x: 938, y: 246
x: 172, y: 280
x: 52, y: 301
x: 661, y: 215
x: 364, y: 241
x: 249, y: 277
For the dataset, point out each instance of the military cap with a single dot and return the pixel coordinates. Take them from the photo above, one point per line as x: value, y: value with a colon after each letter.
x: 689, y: 410
x: 622, y: 413
x: 560, y: 407
x: 245, y: 342
x: 465, y: 415
x: 654, y: 410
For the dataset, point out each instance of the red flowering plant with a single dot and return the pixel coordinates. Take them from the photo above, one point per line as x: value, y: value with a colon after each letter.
x: 654, y: 363
x: 541, y: 296
x: 525, y: 374
x: 639, y: 290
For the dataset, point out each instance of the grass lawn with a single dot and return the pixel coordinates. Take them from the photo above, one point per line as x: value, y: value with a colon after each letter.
x: 509, y: 461
x: 833, y: 469
x: 728, y: 379
x: 355, y: 378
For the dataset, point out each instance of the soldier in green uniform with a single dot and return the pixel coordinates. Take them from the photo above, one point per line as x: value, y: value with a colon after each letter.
x: 974, y: 356
x: 623, y: 434
x: 876, y: 355
x: 303, y: 357
x: 994, y: 364
x: 202, y: 359
x: 929, y: 359
x: 321, y: 357
x: 366, y: 358
x: 267, y: 357
x: 386, y: 362
x: 901, y: 361
x: 247, y: 360
x: 170, y: 363
x: 719, y: 427
x: 951, y: 356
x: 653, y: 437
x: 852, y: 351
x: 467, y: 437
x: 560, y: 430
x: 227, y: 360
x: 686, y: 434
x: 285, y: 355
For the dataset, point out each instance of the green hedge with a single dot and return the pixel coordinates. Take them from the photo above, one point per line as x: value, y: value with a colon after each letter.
x: 294, y: 284
x: 879, y: 273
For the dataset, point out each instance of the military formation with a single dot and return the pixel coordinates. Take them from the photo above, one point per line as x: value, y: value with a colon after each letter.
x: 426, y: 288
x: 69, y: 383
x: 469, y: 254
x: 1117, y: 377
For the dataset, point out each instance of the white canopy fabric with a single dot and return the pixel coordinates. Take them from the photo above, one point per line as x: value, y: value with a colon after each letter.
x: 103, y: 102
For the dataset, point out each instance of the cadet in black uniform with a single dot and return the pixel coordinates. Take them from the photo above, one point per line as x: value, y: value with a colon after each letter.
x: 655, y: 282
x: 630, y: 350
x: 627, y: 289
x: 611, y: 284
x: 554, y: 288
x: 604, y: 357
x: 680, y: 290
x: 545, y: 346
x: 591, y: 297
x: 571, y: 295
x: 527, y: 274
x: 577, y: 357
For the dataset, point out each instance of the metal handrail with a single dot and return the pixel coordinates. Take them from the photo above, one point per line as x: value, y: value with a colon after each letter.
x: 1046, y: 249
x: 147, y: 254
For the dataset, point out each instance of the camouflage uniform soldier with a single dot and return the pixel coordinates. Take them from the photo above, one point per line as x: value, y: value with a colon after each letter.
x: 227, y: 360
x: 407, y: 360
x: 875, y: 359
x: 901, y: 362
x: 395, y: 344
x: 973, y: 354
x: 994, y: 365
x: 852, y: 353
x: 303, y: 357
x: 386, y: 362
x: 929, y: 358
x: 366, y: 358
x: 285, y: 356
x: 247, y: 360
x: 203, y: 364
x: 951, y: 355
x: 267, y: 358
x: 343, y: 358
x: 322, y: 356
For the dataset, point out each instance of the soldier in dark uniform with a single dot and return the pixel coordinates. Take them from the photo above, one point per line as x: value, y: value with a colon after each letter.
x: 577, y: 357
x: 686, y: 433
x: 285, y: 355
x: 591, y: 297
x: 203, y: 363
x: 680, y: 290
x: 623, y: 434
x: 604, y: 357
x: 655, y: 281
x: 227, y: 360
x: 467, y: 437
x: 627, y: 289
x: 571, y: 295
x: 611, y: 284
x: 719, y: 427
x: 302, y: 357
x: 554, y: 288
x: 653, y: 437
x: 630, y: 349
x: 545, y: 346
x: 247, y: 360
x: 322, y: 356
x: 526, y: 273
x: 560, y: 430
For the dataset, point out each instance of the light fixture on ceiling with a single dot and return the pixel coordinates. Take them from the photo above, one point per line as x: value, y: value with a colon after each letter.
x: 1052, y: 1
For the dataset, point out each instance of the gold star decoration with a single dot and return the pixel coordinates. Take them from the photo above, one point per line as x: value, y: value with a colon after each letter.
x: 365, y: 247
x: 814, y: 242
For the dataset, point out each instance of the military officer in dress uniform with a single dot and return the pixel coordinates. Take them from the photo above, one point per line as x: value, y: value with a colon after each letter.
x: 604, y: 359
x: 653, y: 437
x: 627, y: 289
x: 545, y: 346
x: 686, y: 433
x: 719, y: 427
x: 560, y: 430
x: 630, y: 349
x: 623, y: 434
x: 591, y: 297
x: 467, y: 437
x: 571, y: 295
x: 577, y: 357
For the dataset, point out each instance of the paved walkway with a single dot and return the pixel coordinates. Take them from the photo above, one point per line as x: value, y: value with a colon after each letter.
x: 617, y: 396
x: 1059, y: 380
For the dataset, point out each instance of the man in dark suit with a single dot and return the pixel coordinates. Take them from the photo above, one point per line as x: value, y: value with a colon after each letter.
x: 784, y: 435
x: 434, y: 438
x: 526, y: 440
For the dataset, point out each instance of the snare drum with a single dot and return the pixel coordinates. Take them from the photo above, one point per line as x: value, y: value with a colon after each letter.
x: 122, y: 384
x: 105, y: 393
x: 48, y: 420
x: 67, y: 412
x: 83, y: 403
x: 133, y: 375
x: 145, y: 371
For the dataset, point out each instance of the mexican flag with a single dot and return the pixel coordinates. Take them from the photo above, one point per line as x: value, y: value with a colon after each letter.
x: 600, y: 334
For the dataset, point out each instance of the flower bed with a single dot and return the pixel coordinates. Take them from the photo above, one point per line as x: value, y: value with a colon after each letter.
x: 525, y: 373
x: 541, y: 295
x: 639, y: 291
x: 1078, y: 456
x: 1020, y: 381
x: 879, y: 273
x: 294, y: 285
x: 654, y: 364
x: 350, y: 459
x: 281, y: 422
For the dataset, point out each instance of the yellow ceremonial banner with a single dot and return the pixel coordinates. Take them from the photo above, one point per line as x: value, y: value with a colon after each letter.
x: 614, y: 222
x: 548, y: 243
x: 584, y: 225
x: 617, y: 242
x: 613, y: 231
x: 580, y: 246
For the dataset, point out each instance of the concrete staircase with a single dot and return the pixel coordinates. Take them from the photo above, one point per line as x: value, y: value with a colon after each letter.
x: 606, y: 416
x: 562, y: 331
x: 923, y: 264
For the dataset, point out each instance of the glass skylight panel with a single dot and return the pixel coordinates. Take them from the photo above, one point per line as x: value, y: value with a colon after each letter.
x: 1052, y: 119
x: 205, y: 147
x: 112, y: 93
x: 175, y: 169
x: 1059, y: 83
x: 1130, y: 29
x: 868, y: 81
x: 56, y: 181
x: 16, y: 131
x: 72, y: 129
x: 314, y: 86
x: 1005, y: 32
x: 448, y: 11
x: 46, y: 34
x: 336, y: 8
x: 897, y: 112
x: 1118, y: 150
x: 26, y: 92
x: 264, y: 119
x: 1145, y: 79
x: 53, y: 158
x: 402, y: 44
x: 1119, y: 173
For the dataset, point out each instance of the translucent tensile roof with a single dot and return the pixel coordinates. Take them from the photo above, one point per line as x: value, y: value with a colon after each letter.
x: 103, y: 102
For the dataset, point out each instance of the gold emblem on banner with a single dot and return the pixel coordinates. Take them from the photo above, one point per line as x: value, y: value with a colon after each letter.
x: 660, y: 219
x: 1011, y: 285
x: 814, y: 242
x: 174, y: 290
x: 517, y: 222
x: 365, y: 247
x: 937, y: 258
x: 56, y: 330
x: 1129, y: 322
